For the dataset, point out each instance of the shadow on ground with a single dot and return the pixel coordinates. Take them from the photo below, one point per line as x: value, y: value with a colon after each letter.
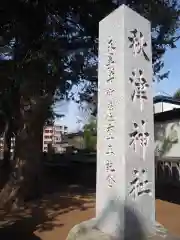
x: 40, y: 215
x: 168, y: 192
x: 64, y: 190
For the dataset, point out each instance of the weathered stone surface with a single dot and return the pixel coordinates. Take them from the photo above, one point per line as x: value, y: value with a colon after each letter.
x: 125, y: 133
x: 125, y: 192
x: 162, y: 233
x: 88, y: 231
x: 168, y: 237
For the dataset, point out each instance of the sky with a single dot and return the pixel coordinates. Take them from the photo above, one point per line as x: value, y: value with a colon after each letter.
x: 167, y: 87
x: 171, y: 60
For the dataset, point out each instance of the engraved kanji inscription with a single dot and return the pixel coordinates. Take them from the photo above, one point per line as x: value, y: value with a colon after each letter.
x: 139, y: 87
x: 139, y: 185
x: 111, y: 61
x: 110, y: 128
x: 110, y: 117
x: 110, y: 149
x: 109, y: 91
x: 109, y: 166
x: 110, y: 137
x: 139, y: 137
x: 110, y: 70
x: 111, y: 180
x: 111, y: 45
x: 138, y: 43
x: 109, y: 114
x: 110, y: 106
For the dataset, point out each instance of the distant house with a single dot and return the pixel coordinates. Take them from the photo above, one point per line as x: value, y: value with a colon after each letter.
x: 52, y: 137
x: 164, y: 104
x: 75, y: 140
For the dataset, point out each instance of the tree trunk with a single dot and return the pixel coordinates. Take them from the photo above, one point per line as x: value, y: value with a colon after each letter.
x: 5, y: 168
x: 7, y: 141
x: 26, y: 176
x: 25, y: 179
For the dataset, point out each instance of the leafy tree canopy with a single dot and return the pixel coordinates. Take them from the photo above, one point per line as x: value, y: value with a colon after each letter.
x: 90, y: 134
x: 164, y: 18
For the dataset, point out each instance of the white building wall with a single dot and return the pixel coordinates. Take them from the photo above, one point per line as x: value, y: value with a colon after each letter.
x: 53, y: 135
x: 158, y: 107
x: 167, y: 139
x: 47, y: 137
x: 164, y: 107
x: 169, y: 106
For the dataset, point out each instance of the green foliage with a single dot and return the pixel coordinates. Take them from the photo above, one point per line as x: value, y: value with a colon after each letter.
x: 90, y: 135
x: 50, y: 51
x: 164, y: 18
x: 177, y: 95
x: 41, y: 59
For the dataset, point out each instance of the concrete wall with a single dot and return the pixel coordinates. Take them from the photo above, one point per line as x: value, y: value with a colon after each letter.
x: 53, y: 135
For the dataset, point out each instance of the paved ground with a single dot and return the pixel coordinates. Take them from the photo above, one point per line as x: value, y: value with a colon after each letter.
x: 168, y: 214
x: 63, y: 206
x: 52, y: 218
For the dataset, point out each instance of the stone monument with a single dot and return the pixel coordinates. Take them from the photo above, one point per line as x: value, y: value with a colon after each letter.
x: 125, y: 190
x: 125, y: 145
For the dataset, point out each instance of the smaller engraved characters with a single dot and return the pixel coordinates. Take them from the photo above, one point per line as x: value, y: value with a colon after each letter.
x: 110, y: 149
x: 111, y: 45
x: 109, y: 116
x: 110, y: 128
x: 111, y: 180
x: 109, y: 91
x: 109, y: 166
x: 139, y: 137
x: 111, y: 70
x: 109, y: 154
x: 110, y: 61
x: 140, y: 86
x: 138, y: 43
x: 110, y: 106
x: 139, y: 184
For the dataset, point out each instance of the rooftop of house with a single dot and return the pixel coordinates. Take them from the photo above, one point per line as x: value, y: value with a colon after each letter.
x: 166, y: 99
x: 69, y: 136
x: 72, y: 135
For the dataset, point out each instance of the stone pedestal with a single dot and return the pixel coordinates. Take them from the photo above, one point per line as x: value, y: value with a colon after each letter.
x: 88, y: 231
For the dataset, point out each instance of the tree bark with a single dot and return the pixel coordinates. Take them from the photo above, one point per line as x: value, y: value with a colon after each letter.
x: 26, y: 176
x: 25, y: 179
x: 7, y: 140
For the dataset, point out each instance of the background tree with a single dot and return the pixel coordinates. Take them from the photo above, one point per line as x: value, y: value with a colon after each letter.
x: 164, y: 18
x: 90, y: 135
x: 39, y: 57
x: 177, y: 95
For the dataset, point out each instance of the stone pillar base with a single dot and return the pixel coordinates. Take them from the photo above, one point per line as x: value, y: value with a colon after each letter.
x: 87, y: 231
